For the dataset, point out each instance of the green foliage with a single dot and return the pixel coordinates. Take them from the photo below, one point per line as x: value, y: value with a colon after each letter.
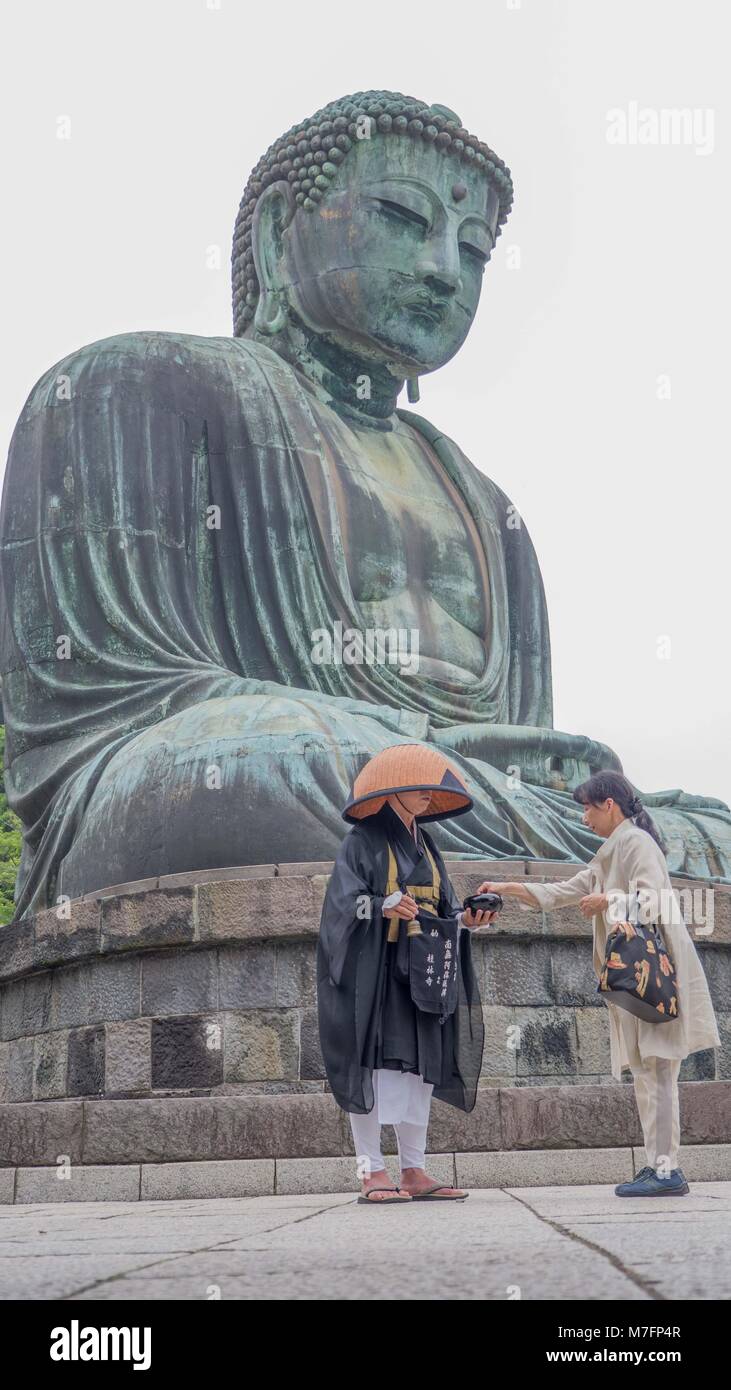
x: 10, y: 844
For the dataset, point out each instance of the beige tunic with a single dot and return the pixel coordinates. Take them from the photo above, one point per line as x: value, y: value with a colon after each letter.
x: 629, y: 862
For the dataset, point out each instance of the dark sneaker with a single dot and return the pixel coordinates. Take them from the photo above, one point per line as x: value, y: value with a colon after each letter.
x: 649, y: 1184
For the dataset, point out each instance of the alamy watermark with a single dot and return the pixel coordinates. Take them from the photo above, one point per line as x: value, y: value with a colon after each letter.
x: 352, y: 646
x: 662, y: 125
x: 647, y: 906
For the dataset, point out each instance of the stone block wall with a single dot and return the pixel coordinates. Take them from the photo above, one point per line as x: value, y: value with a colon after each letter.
x: 204, y: 985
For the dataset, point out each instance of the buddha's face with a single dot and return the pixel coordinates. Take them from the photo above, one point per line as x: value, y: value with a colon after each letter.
x: 390, y: 264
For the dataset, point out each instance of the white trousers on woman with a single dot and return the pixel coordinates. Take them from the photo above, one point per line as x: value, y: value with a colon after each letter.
x: 656, y: 1092
x: 403, y: 1100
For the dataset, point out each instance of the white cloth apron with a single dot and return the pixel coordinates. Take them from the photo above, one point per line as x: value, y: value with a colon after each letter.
x: 401, y: 1097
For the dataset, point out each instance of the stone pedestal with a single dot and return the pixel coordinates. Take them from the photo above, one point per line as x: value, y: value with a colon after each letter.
x: 161, y: 1038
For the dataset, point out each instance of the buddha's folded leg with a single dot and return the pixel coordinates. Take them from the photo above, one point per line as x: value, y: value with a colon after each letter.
x: 261, y: 779
x: 239, y: 780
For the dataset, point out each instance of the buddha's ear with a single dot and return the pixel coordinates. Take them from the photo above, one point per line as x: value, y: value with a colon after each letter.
x: 272, y: 215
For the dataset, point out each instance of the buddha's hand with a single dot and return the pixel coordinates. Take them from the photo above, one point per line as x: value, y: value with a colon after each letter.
x: 538, y: 756
x: 593, y: 903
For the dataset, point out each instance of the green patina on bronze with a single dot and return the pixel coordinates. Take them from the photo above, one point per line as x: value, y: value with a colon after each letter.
x: 182, y: 516
x: 308, y: 156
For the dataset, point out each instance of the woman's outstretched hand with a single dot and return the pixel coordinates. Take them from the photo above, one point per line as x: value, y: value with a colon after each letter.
x: 588, y: 906
x: 508, y: 890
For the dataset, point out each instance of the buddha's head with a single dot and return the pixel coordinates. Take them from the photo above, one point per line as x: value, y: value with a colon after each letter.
x: 369, y: 226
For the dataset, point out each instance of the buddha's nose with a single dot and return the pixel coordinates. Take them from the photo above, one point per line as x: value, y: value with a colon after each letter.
x: 440, y: 268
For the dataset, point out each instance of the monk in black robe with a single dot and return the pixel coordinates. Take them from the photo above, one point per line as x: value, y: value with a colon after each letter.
x: 384, y: 1056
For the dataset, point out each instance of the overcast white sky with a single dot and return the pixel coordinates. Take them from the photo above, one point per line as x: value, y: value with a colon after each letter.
x: 561, y: 392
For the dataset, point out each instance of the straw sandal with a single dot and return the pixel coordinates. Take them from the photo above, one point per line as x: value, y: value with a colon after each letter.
x: 431, y: 1194
x: 365, y: 1199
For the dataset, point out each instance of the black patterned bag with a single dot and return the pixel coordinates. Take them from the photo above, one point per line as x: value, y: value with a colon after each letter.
x: 638, y: 974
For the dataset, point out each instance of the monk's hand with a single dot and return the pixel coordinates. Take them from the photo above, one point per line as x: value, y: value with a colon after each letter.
x: 406, y: 908
x: 593, y: 903
x: 477, y: 919
x: 484, y: 918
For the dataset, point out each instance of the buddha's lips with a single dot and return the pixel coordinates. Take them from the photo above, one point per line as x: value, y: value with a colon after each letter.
x: 429, y: 308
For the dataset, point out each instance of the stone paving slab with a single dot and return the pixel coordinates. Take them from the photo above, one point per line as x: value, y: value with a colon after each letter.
x: 282, y: 1176
x: 544, y: 1167
x: 106, y: 1182
x: 255, y: 1177
x: 545, y: 1243
x: 700, y: 1162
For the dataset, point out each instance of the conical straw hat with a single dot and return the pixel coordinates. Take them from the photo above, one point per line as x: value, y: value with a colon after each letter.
x: 408, y: 767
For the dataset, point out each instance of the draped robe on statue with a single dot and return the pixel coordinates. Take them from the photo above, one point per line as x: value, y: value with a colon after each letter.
x: 170, y: 541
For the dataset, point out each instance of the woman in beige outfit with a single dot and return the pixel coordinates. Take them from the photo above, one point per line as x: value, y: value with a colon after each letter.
x: 628, y: 879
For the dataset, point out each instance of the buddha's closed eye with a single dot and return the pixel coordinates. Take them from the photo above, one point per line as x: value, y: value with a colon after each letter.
x: 475, y: 251
x: 398, y: 213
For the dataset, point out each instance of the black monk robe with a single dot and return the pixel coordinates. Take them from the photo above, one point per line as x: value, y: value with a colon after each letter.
x: 366, y: 1015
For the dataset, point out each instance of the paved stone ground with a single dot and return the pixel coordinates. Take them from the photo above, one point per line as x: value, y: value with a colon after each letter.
x: 533, y: 1242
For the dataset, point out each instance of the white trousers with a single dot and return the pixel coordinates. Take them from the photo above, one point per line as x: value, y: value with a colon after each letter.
x: 658, y: 1102
x: 656, y: 1092
x: 403, y: 1100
